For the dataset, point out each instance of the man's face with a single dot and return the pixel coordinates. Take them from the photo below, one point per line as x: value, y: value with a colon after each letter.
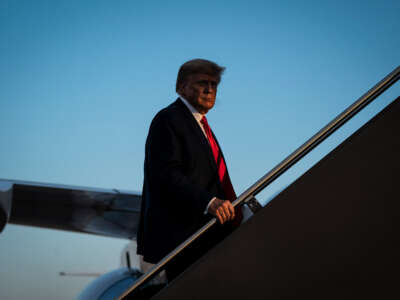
x: 200, y: 90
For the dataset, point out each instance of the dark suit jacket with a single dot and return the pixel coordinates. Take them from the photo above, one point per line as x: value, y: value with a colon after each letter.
x: 180, y: 178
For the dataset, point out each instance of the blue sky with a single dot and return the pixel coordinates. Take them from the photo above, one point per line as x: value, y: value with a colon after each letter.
x: 81, y: 81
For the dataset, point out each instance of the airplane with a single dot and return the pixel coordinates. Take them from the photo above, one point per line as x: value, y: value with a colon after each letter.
x: 105, y: 212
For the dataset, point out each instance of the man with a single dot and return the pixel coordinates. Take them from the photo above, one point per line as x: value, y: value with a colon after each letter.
x: 186, y: 181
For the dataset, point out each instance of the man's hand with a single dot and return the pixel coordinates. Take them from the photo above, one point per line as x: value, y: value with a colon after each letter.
x: 222, y: 209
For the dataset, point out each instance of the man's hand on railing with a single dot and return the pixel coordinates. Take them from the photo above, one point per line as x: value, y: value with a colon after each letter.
x: 223, y: 210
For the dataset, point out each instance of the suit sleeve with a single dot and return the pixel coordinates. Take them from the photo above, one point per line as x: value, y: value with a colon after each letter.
x: 166, y: 168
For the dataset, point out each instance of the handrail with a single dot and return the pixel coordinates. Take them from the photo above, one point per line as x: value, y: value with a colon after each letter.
x: 320, y: 136
x: 289, y: 161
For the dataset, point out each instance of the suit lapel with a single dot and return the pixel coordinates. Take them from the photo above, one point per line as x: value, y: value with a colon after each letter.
x: 191, y: 121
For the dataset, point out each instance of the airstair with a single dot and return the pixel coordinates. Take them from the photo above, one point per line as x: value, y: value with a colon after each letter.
x: 331, y: 234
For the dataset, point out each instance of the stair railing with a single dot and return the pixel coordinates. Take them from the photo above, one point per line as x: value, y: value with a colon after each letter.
x: 248, y: 196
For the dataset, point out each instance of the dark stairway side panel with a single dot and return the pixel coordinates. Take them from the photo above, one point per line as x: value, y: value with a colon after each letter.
x: 329, y: 235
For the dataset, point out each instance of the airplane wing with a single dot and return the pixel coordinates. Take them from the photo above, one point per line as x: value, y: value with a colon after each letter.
x: 89, y: 210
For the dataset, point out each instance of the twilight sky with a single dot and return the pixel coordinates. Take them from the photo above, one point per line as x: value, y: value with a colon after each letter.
x: 81, y: 80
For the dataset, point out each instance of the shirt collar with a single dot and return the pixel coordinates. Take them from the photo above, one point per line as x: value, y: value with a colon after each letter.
x: 198, y: 116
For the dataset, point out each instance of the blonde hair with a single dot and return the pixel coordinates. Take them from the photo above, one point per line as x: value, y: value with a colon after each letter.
x: 198, y: 66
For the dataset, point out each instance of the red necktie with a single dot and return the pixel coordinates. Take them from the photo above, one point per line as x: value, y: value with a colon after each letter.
x: 222, y: 171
